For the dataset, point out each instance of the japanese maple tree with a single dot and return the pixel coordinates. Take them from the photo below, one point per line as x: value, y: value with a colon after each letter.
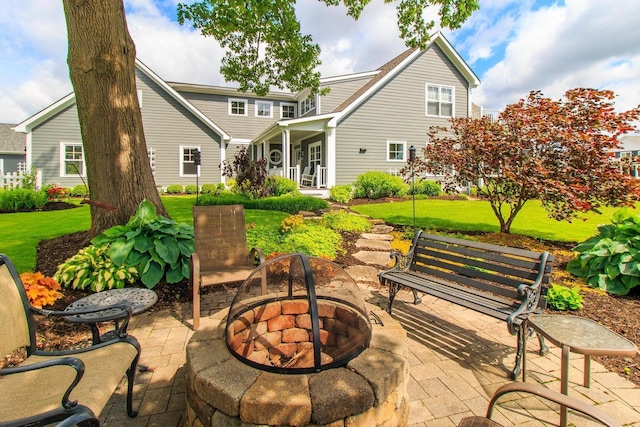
x: 555, y: 151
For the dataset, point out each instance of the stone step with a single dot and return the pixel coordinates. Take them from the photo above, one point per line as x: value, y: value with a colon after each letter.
x: 374, y: 258
x: 376, y: 245
x: 373, y: 236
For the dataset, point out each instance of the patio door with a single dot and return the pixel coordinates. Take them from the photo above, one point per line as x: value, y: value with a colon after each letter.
x: 315, y: 155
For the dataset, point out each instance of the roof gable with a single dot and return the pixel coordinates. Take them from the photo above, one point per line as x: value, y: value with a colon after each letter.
x: 11, y: 141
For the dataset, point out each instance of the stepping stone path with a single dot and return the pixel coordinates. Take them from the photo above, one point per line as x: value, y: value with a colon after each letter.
x: 375, y: 247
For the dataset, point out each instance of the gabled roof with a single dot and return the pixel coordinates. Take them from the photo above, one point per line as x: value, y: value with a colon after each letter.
x: 70, y: 99
x: 393, y: 67
x: 11, y: 142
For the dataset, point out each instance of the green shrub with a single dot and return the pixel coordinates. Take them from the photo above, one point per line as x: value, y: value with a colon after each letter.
x: 279, y: 186
x: 21, y: 200
x: 28, y: 181
x: 191, y: 189
x: 313, y: 239
x: 341, y: 193
x: 611, y: 259
x: 563, y: 298
x: 426, y: 187
x: 344, y: 221
x: 375, y: 184
x: 175, y: 189
x: 79, y: 190
x: 286, y: 203
x: 154, y: 246
x: 209, y: 189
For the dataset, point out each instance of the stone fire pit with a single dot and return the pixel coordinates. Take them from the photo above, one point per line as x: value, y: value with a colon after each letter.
x: 297, y: 348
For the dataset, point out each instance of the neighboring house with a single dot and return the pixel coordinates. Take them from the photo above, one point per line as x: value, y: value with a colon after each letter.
x: 368, y: 121
x: 629, y: 146
x: 12, y: 150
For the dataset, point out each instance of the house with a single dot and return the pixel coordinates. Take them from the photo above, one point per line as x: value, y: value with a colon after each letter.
x: 368, y: 121
x: 12, y: 150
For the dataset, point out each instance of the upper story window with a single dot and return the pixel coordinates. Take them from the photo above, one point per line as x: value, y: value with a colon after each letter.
x: 264, y: 109
x: 396, y: 151
x: 71, y: 159
x: 187, y: 161
x: 287, y: 110
x: 237, y: 107
x: 307, y: 105
x: 439, y: 100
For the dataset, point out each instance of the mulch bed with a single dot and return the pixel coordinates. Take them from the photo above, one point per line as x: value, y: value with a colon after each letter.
x: 621, y: 314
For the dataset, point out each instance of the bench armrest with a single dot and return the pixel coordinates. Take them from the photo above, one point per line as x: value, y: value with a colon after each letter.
x: 403, y: 261
x: 530, y: 295
x: 256, y: 256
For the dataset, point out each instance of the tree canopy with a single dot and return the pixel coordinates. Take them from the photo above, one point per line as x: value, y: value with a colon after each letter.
x: 556, y: 151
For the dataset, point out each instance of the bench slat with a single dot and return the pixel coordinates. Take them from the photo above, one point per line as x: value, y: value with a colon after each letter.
x: 482, y: 246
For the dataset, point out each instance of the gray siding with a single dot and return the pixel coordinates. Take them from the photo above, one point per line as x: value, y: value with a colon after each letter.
x: 216, y: 107
x: 9, y: 162
x: 340, y: 91
x: 167, y: 126
x: 397, y: 112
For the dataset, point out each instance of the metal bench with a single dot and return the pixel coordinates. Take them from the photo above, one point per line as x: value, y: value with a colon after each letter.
x: 499, y: 281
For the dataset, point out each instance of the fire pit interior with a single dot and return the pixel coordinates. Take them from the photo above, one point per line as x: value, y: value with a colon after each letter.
x: 297, y: 314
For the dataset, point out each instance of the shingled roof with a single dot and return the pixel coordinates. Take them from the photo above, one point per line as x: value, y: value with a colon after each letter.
x: 10, y: 140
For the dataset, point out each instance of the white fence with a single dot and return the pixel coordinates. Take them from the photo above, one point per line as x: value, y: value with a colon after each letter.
x: 14, y: 179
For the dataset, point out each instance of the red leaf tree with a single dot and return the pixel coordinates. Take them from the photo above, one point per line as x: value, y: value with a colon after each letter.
x: 554, y: 151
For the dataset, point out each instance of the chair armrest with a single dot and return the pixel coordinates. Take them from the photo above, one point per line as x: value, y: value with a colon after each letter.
x: 554, y: 396
x: 256, y: 254
x: 72, y: 362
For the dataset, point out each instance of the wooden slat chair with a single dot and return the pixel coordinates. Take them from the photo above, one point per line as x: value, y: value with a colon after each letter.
x: 67, y: 386
x: 222, y: 254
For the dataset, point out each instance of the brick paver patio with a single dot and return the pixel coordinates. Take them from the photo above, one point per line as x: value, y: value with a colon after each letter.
x: 458, y: 358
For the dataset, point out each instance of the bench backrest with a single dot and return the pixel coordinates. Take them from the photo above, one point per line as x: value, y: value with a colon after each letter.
x: 494, y: 268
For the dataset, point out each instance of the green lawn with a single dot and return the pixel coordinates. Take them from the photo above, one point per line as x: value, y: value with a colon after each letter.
x: 475, y: 215
x: 21, y: 232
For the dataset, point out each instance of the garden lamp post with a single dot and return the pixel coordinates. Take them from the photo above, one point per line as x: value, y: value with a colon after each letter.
x: 412, y: 158
x: 197, y: 160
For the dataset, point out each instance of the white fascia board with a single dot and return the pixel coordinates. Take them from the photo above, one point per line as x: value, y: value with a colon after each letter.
x: 349, y: 76
x: 240, y: 141
x: 45, y: 113
x: 181, y: 100
x: 276, y: 128
x: 457, y: 60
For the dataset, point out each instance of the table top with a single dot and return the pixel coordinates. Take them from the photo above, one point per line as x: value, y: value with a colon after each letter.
x: 140, y: 300
x: 582, y: 335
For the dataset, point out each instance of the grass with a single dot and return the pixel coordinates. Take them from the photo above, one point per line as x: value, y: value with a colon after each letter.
x: 21, y: 232
x: 476, y: 215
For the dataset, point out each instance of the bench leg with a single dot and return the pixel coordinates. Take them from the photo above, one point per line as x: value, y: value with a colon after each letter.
x: 519, y: 353
x: 543, y: 346
x: 393, y: 290
x: 416, y: 299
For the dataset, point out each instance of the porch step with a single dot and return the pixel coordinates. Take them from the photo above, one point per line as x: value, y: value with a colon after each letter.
x: 321, y: 193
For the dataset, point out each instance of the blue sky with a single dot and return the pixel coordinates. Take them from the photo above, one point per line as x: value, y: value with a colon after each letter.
x: 514, y: 46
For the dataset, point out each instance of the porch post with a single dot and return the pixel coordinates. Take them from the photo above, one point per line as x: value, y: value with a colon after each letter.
x: 331, y: 156
x: 223, y: 157
x: 286, y: 136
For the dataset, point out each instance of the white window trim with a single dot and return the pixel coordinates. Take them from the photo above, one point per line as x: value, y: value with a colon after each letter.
x: 181, y: 161
x: 270, y: 108
x: 246, y: 106
x: 307, y: 101
x: 404, y: 151
x: 295, y: 109
x: 62, y: 159
x: 426, y: 100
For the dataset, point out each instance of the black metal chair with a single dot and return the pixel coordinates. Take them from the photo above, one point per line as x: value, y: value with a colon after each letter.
x: 70, y: 387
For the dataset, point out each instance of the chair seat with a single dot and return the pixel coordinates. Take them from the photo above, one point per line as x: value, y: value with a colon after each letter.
x: 225, y: 275
x: 104, y: 369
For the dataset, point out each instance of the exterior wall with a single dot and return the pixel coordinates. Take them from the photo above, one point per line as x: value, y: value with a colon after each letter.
x: 397, y: 111
x: 9, y: 162
x: 167, y: 126
x: 340, y: 90
x: 216, y: 107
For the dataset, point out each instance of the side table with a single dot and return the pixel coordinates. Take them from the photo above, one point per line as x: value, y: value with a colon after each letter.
x: 140, y: 299
x: 578, y: 335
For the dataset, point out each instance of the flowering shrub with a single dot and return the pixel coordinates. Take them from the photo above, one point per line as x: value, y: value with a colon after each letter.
x: 41, y: 290
x: 56, y: 193
x: 290, y: 222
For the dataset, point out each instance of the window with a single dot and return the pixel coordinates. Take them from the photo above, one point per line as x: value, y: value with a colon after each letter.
x: 187, y: 164
x: 152, y: 159
x: 264, y: 109
x: 237, y: 107
x: 287, y: 111
x: 71, y: 159
x: 307, y: 105
x: 275, y: 157
x: 396, y: 151
x: 439, y: 101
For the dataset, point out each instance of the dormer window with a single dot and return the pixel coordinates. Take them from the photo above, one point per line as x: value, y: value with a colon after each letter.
x: 287, y: 110
x: 307, y: 105
x: 264, y: 109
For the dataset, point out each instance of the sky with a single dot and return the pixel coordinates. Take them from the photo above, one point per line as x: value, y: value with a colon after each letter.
x: 513, y: 46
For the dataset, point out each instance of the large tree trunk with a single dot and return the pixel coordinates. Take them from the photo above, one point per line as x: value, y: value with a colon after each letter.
x: 102, y: 69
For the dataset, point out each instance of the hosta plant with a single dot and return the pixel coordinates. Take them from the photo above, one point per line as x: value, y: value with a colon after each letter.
x: 41, y: 290
x: 611, y: 259
x: 91, y: 268
x: 564, y: 298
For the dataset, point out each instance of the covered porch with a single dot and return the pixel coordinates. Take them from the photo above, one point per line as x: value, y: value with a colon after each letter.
x: 302, y: 150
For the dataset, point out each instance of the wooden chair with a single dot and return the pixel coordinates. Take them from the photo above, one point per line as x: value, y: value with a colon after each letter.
x: 307, y: 180
x: 68, y: 386
x: 545, y: 393
x: 222, y: 254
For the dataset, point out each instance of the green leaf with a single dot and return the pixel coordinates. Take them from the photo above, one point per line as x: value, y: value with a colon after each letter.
x: 109, y: 235
x: 168, y: 249
x: 186, y: 247
x: 612, y: 271
x: 574, y: 267
x: 119, y: 251
x: 143, y: 243
x: 145, y: 214
x: 152, y: 274
x: 631, y: 268
x: 174, y: 275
